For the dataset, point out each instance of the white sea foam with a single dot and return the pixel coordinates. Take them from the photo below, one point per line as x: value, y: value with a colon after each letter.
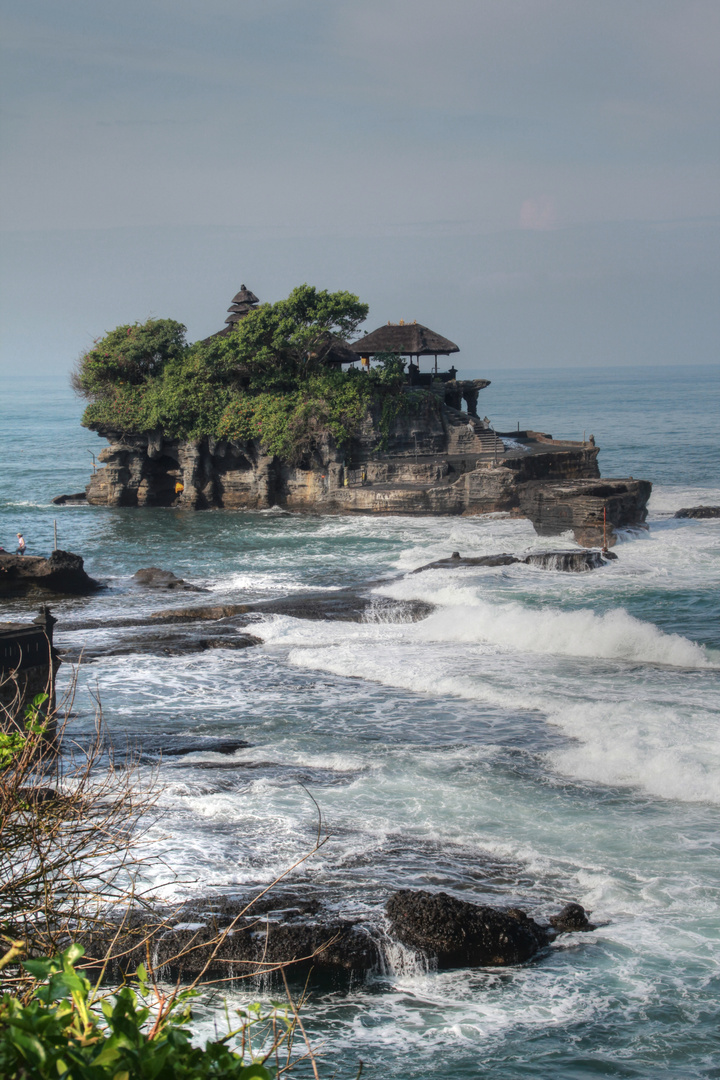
x: 666, y: 499
x: 271, y: 582
x: 614, y: 635
x: 669, y: 745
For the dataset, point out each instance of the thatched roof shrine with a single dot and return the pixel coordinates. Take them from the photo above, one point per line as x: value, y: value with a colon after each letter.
x: 245, y: 296
x: 405, y: 339
x: 242, y: 304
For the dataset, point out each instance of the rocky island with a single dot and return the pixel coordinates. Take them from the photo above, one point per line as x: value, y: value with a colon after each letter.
x: 278, y: 409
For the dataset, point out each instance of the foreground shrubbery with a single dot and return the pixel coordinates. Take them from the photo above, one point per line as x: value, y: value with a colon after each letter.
x: 70, y: 824
x: 266, y: 380
x: 62, y: 1027
x: 70, y: 821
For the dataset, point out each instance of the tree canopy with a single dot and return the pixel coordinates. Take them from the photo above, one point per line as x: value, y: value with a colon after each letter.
x: 129, y: 355
x: 267, y: 379
x: 279, y: 345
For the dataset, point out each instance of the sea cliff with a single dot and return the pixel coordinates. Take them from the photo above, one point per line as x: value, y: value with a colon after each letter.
x: 436, y: 461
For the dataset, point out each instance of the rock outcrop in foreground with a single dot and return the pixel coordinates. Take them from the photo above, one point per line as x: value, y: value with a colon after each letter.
x: 455, y: 933
x: 439, y: 461
x: 31, y: 575
x: 300, y: 932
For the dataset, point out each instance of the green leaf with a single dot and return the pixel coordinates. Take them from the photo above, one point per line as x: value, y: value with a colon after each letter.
x: 256, y: 1071
x: 73, y: 953
x: 39, y: 968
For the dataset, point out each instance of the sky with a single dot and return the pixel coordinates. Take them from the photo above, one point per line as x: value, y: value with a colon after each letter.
x: 535, y: 179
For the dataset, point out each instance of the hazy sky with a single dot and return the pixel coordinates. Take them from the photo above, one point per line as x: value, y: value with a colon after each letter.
x: 536, y: 179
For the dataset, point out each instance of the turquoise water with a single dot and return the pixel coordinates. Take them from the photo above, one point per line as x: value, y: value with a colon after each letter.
x: 539, y: 738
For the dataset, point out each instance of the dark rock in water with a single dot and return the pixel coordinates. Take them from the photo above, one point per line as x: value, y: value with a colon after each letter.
x: 698, y: 512
x: 277, y: 930
x: 161, y: 643
x: 167, y: 745
x: 226, y: 641
x: 260, y: 945
x: 575, y: 562
x: 154, y: 578
x: 78, y: 499
x: 30, y: 575
x: 459, y: 934
x: 569, y: 561
x: 480, y: 560
x: 152, y: 747
x: 340, y: 606
x: 572, y: 918
x: 289, y: 928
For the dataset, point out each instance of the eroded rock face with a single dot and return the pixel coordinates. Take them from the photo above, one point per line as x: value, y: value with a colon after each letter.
x: 30, y: 575
x: 698, y: 512
x: 458, y: 934
x: 593, y: 510
x: 569, y: 562
x: 435, y: 461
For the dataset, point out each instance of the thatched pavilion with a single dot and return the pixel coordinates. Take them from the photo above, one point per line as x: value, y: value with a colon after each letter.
x: 405, y: 339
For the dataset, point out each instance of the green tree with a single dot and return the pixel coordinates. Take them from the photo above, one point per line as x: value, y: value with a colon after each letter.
x: 129, y: 356
x: 284, y: 342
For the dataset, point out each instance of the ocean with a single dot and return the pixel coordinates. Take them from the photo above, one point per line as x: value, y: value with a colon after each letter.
x: 540, y: 737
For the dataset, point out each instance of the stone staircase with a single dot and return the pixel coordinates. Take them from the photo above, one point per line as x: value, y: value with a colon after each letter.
x: 468, y: 435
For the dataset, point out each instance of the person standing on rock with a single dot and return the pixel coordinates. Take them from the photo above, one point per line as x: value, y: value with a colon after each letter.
x: 21, y: 544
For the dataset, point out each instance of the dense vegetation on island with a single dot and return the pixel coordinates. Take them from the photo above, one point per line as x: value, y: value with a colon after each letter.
x: 267, y: 379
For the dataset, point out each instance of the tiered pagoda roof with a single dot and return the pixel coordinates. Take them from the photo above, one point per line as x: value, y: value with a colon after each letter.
x: 242, y: 303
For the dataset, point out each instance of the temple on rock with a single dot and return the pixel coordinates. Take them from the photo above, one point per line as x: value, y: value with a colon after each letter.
x: 432, y: 456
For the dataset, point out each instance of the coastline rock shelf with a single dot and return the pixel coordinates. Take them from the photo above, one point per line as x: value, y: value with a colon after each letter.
x: 445, y: 462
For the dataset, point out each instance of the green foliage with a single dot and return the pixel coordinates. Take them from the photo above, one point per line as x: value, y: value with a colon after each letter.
x: 129, y: 355
x: 267, y: 380
x: 13, y: 743
x: 288, y: 340
x: 63, y: 1029
x: 290, y: 425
